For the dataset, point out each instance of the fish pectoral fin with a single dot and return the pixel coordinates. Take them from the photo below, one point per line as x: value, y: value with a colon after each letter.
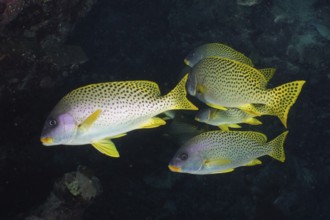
x: 201, y: 89
x: 253, y: 121
x: 216, y: 106
x: 224, y: 127
x: 216, y: 162
x: 250, y: 109
x: 253, y: 162
x: 107, y: 147
x: 87, y: 123
x: 223, y: 171
x: 153, y: 123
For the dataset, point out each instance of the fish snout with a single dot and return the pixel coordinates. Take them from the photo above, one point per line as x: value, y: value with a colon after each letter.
x: 46, y: 140
x: 174, y: 168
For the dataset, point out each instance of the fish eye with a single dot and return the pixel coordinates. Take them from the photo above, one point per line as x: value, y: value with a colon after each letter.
x: 52, y: 122
x: 183, y: 156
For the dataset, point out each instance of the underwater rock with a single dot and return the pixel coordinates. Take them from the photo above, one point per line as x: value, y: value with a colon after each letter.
x: 9, y: 9
x: 71, y: 195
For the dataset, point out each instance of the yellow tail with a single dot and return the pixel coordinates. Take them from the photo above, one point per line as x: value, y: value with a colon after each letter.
x: 282, y: 98
x: 276, y: 145
x: 177, y: 97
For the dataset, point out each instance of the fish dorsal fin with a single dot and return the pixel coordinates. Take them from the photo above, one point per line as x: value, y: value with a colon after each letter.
x: 256, y: 136
x: 217, y: 162
x: 153, y: 123
x: 216, y: 106
x: 148, y: 87
x: 250, y: 109
x: 253, y: 162
x: 107, y: 147
x: 224, y: 171
x: 268, y: 73
x: 87, y: 123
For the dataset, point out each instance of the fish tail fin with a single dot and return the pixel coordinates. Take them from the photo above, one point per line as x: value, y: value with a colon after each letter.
x: 178, y: 97
x: 282, y: 98
x: 277, y: 147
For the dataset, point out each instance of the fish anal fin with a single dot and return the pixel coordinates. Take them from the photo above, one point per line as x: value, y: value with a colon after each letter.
x: 106, y: 147
x: 224, y: 127
x: 234, y: 126
x: 253, y: 162
x: 87, y: 123
x: 118, y: 136
x: 216, y: 106
x: 250, y: 109
x: 223, y: 171
x: 253, y: 121
x: 153, y: 123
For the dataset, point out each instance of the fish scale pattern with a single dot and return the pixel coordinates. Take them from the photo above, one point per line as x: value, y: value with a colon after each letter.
x: 130, y: 98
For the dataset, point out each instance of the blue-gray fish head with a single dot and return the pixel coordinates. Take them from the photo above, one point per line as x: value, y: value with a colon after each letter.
x: 193, y: 58
x: 203, y: 115
x: 58, y: 129
x: 191, y: 85
x: 187, y: 160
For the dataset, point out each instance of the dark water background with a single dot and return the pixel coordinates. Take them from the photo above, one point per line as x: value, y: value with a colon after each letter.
x: 119, y: 40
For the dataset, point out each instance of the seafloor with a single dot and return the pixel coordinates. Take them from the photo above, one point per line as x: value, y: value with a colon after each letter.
x: 50, y: 47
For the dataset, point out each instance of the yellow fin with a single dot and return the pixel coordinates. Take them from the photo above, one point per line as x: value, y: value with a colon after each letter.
x: 106, y: 147
x: 153, y: 123
x: 268, y: 73
x: 253, y: 162
x: 276, y: 145
x: 234, y: 126
x: 253, y: 121
x: 87, y: 123
x: 224, y: 127
x: 283, y: 97
x: 216, y: 106
x: 118, y: 136
x: 177, y: 97
x: 223, y: 171
x: 249, y: 108
x: 217, y: 162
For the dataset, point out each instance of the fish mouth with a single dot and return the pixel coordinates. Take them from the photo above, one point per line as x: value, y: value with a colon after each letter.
x: 174, y: 168
x: 47, y: 140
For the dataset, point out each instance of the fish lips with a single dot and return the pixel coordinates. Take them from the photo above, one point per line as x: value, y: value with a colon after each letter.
x: 174, y: 168
x: 47, y: 141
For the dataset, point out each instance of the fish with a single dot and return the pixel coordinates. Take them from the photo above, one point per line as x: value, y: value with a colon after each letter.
x: 221, y: 83
x: 226, y: 119
x: 215, y: 50
x: 97, y: 113
x: 216, y: 152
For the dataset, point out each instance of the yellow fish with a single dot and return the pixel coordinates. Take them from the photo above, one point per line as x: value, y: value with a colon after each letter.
x: 222, y: 151
x: 215, y: 50
x: 97, y: 113
x: 226, y: 119
x: 221, y: 83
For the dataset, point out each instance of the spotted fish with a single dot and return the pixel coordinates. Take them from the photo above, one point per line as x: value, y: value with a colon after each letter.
x: 95, y: 114
x: 221, y: 83
x: 222, y: 151
x: 215, y: 50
